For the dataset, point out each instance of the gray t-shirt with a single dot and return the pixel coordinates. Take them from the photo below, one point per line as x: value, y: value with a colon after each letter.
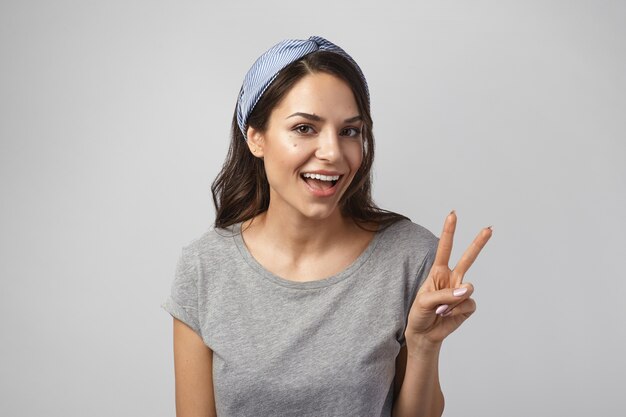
x: 316, y: 348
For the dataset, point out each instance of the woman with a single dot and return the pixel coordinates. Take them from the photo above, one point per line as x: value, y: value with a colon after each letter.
x: 305, y: 298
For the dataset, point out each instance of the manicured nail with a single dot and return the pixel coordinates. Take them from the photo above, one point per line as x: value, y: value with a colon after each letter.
x: 441, y: 309
x: 446, y: 314
x: 459, y: 291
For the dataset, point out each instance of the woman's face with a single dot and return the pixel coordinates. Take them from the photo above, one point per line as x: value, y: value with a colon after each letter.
x: 314, y: 130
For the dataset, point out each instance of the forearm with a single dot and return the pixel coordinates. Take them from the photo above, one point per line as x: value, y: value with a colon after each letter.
x: 420, y: 394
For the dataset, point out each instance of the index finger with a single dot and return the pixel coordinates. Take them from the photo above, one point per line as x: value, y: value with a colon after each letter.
x: 444, y: 248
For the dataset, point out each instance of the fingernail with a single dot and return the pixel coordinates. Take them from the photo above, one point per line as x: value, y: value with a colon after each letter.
x: 446, y: 314
x: 459, y: 291
x: 490, y: 227
x: 441, y: 309
x: 453, y: 211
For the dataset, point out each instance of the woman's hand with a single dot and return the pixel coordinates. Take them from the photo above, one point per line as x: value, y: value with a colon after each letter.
x: 440, y: 305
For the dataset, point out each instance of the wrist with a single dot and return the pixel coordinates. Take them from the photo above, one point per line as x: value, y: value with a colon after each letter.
x: 421, y: 345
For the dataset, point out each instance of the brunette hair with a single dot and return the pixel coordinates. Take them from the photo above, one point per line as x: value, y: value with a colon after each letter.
x: 241, y: 190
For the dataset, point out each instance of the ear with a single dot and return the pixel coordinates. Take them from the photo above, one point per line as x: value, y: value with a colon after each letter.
x: 255, y: 142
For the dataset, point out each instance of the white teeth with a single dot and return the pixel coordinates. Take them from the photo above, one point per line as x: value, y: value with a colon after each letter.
x: 321, y: 177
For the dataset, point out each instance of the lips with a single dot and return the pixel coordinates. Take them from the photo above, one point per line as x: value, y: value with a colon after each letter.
x: 319, y: 187
x: 320, y: 184
x: 321, y: 176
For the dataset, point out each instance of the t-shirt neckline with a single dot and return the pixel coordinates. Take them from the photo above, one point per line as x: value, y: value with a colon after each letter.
x: 331, y: 280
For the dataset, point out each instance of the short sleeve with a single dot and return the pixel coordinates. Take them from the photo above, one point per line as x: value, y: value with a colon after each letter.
x: 422, y: 274
x: 182, y: 303
x: 424, y: 269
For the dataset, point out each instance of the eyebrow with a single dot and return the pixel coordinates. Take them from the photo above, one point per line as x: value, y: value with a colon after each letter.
x: 320, y: 119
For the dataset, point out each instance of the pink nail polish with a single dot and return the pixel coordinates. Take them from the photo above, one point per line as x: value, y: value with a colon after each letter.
x: 446, y: 314
x: 459, y: 291
x: 441, y: 309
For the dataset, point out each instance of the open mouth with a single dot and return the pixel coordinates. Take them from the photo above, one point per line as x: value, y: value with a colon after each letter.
x: 321, y: 182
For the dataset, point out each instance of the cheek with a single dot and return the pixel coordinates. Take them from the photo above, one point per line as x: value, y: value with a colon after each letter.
x: 294, y: 154
x: 354, y: 154
x: 286, y: 158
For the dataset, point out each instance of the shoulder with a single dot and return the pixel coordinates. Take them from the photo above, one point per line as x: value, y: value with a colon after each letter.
x: 406, y: 240
x: 212, y: 243
x: 405, y: 233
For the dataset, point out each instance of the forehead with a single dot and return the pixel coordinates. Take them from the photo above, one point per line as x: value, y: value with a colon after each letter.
x: 322, y: 94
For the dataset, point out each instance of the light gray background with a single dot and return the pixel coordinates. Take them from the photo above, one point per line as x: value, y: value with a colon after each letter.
x: 115, y: 118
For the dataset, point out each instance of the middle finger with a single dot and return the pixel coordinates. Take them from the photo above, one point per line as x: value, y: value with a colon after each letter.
x: 470, y: 255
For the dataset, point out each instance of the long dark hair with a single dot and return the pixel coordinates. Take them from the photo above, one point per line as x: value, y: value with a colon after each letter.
x: 241, y: 190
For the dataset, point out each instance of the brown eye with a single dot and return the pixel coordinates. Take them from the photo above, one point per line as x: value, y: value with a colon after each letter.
x: 351, y: 132
x: 304, y: 129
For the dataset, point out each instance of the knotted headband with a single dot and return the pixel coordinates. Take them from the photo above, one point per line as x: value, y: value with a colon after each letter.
x: 265, y: 69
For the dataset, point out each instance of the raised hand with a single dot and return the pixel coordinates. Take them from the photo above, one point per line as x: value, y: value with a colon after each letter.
x: 443, y: 301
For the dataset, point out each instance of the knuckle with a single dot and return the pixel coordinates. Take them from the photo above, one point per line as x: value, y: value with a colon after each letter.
x: 422, y: 302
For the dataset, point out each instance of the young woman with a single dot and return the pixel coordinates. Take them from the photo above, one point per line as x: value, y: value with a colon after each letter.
x: 305, y: 298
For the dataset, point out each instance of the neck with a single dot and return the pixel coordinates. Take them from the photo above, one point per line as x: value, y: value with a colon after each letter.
x: 298, y: 236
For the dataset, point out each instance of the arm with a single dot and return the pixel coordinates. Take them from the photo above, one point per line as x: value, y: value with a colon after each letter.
x: 417, y: 382
x: 193, y: 369
x: 441, y: 305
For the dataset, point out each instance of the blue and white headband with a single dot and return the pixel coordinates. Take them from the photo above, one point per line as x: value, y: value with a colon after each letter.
x: 265, y: 69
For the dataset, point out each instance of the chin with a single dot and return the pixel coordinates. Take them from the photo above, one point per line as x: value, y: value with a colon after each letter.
x: 320, y: 213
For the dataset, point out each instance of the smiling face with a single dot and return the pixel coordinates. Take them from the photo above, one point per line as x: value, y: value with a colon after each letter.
x: 312, y: 147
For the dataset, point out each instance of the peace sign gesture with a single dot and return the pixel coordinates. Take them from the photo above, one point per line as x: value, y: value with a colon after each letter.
x: 443, y: 301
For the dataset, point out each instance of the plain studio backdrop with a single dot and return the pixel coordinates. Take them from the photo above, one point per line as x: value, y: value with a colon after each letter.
x: 115, y: 120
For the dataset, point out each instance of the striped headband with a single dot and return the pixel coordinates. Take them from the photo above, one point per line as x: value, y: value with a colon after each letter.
x: 265, y: 69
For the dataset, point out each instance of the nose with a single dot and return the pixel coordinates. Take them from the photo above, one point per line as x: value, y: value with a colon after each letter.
x: 328, y: 146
